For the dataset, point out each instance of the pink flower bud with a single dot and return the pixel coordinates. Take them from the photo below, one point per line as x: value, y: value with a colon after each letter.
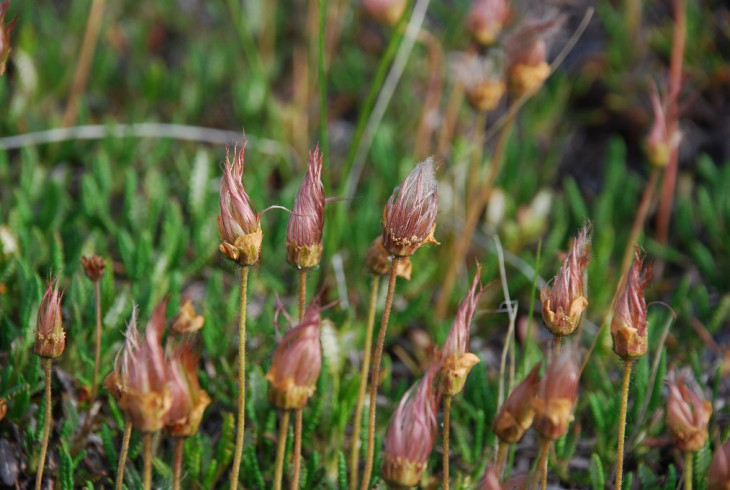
x: 50, y: 338
x: 296, y: 364
x: 386, y: 11
x: 526, y: 50
x: 5, y: 30
x: 93, y: 267
x: 556, y: 395
x: 239, y: 223
x: 659, y: 143
x: 628, y: 325
x: 411, y: 434
x: 482, y: 78
x: 304, y: 232
x: 409, y: 218
x: 718, y: 477
x: 687, y: 415
x: 563, y: 305
x: 188, y: 400
x: 486, y: 19
x: 516, y: 414
x: 490, y: 480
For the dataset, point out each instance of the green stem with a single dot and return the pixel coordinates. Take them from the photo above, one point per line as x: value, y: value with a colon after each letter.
x: 447, y: 421
x: 46, y: 422
x: 544, y: 463
x: 281, y: 449
x: 297, y: 449
x: 688, y: 467
x: 302, y: 292
x: 147, y: 445
x: 501, y: 456
x: 123, y: 452
x: 97, y: 351
x: 241, y: 380
x: 177, y: 463
x: 622, y: 426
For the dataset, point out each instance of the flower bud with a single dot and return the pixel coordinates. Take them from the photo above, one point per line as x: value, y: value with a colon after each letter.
x: 188, y: 400
x: 628, y: 325
x: 93, y: 267
x: 3, y: 408
x: 527, y: 67
x: 490, y: 480
x: 658, y: 144
x: 50, y: 338
x: 411, y: 435
x: 563, y: 305
x: 5, y: 30
x: 187, y: 321
x: 379, y: 263
x: 687, y: 415
x: 482, y: 78
x: 516, y: 414
x: 718, y: 477
x: 296, y: 364
x: 486, y: 19
x: 409, y: 218
x: 239, y: 223
x: 556, y: 395
x: 304, y: 232
x: 386, y: 11
x: 456, y: 362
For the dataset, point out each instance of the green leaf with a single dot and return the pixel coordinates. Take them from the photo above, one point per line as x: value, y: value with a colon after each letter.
x: 598, y: 479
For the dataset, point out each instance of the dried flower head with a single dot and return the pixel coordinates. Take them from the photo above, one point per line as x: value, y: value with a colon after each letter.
x: 527, y: 49
x: 386, y: 11
x: 411, y: 434
x: 379, y: 262
x: 563, y: 305
x: 93, y: 267
x: 139, y: 381
x: 304, y: 232
x: 238, y: 224
x: 296, y: 363
x: 409, y: 218
x: 718, y: 477
x: 188, y: 400
x: 187, y: 321
x: 490, y: 480
x: 482, y: 78
x: 486, y: 19
x: 456, y: 361
x: 5, y: 30
x: 556, y: 395
x: 50, y: 338
x: 687, y: 415
x: 516, y: 414
x: 628, y: 325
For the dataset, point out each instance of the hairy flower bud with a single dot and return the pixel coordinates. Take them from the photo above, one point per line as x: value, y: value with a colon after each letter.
x: 527, y: 48
x: 628, y: 325
x: 386, y: 11
x: 482, y: 78
x: 516, y: 414
x: 490, y: 480
x: 188, y: 400
x: 486, y: 19
x: 411, y: 435
x: 456, y: 361
x: 5, y: 30
x: 563, y: 305
x: 296, y: 364
x: 93, y: 267
x: 687, y: 415
x: 304, y: 232
x: 556, y: 395
x: 50, y: 338
x: 718, y: 477
x: 379, y: 262
x: 409, y: 218
x: 187, y: 321
x: 239, y: 223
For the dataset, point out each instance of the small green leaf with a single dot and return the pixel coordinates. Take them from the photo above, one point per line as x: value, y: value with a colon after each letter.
x: 598, y: 478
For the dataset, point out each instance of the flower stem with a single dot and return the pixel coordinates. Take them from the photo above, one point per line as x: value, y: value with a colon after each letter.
x: 147, y: 448
x: 544, y: 449
x: 622, y: 426
x: 302, y: 292
x: 46, y: 422
x: 376, y: 375
x: 556, y: 343
x: 447, y: 421
x: 501, y: 457
x: 354, y: 453
x: 123, y: 452
x: 281, y: 449
x: 97, y: 352
x: 241, y: 380
x: 297, y: 449
x: 177, y: 464
x: 688, y: 466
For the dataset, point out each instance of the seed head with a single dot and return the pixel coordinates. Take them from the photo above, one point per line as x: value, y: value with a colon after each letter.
x: 486, y: 19
x: 409, y: 218
x: 50, y: 338
x: 387, y: 12
x: 527, y: 50
x: 718, y: 477
x: 188, y: 400
x: 482, y: 78
x: 516, y: 414
x: 93, y: 267
x: 304, y: 232
x: 556, y: 395
x: 687, y: 415
x: 5, y: 30
x: 563, y: 305
x: 379, y: 263
x: 238, y: 224
x: 628, y: 325
x: 187, y: 321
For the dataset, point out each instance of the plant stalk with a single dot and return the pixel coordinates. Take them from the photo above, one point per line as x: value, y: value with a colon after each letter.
x: 447, y: 421
x: 241, y: 380
x: 376, y: 375
x: 302, y: 292
x: 147, y: 448
x: 622, y: 426
x: 544, y: 450
x: 123, y: 452
x: 97, y: 351
x: 281, y: 449
x: 501, y: 457
x: 297, y: 449
x: 46, y: 422
x: 357, y: 427
x: 688, y: 467
x: 177, y: 464
x: 475, y: 167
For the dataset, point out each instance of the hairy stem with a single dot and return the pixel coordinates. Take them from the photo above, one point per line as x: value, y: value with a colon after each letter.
x: 376, y: 375
x: 622, y: 425
x: 501, y: 457
x: 556, y: 343
x: 302, y: 292
x: 281, y: 449
x: 46, y: 422
x: 447, y: 421
x: 297, y: 449
x: 97, y: 351
x: 147, y: 448
x: 123, y: 452
x: 357, y: 427
x: 688, y: 467
x: 241, y: 380
x: 177, y: 463
x: 544, y: 450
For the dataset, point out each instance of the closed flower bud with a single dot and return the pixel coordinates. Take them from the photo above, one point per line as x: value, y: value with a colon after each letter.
x: 482, y: 78
x: 386, y: 11
x: 304, y: 232
x: 409, y: 218
x: 411, y: 435
x: 486, y: 19
x: 188, y: 400
x: 658, y: 144
x: 516, y: 414
x: 296, y: 364
x: 239, y: 223
x: 379, y: 262
x: 5, y: 30
x: 556, y: 395
x: 50, y: 339
x: 687, y: 415
x: 187, y: 321
x: 628, y: 325
x: 527, y: 48
x: 93, y: 267
x: 490, y: 480
x: 456, y: 361
x: 718, y: 477
x: 563, y: 305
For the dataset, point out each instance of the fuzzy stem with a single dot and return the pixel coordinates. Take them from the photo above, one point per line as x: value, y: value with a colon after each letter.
x: 297, y: 449
x: 376, y: 375
x: 97, y: 351
x: 46, y: 422
x: 688, y: 467
x: 543, y: 464
x: 556, y: 343
x: 177, y: 464
x: 302, y: 292
x: 357, y: 427
x: 622, y: 426
x: 447, y: 421
x: 241, y: 380
x: 501, y: 456
x: 147, y: 448
x: 281, y: 449
x: 123, y: 452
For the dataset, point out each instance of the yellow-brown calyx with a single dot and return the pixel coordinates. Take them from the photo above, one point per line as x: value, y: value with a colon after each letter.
x: 525, y: 78
x: 386, y: 11
x: 400, y: 472
x: 379, y: 262
x: 303, y: 256
x: 93, y: 267
x: 50, y: 338
x: 246, y: 249
x: 288, y: 396
x: 515, y: 416
x: 454, y: 371
x: 146, y: 410
x: 559, y: 322
x: 188, y: 425
x: 485, y: 96
x: 187, y: 321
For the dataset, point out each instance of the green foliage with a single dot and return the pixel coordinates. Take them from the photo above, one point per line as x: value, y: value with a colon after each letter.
x: 598, y: 479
